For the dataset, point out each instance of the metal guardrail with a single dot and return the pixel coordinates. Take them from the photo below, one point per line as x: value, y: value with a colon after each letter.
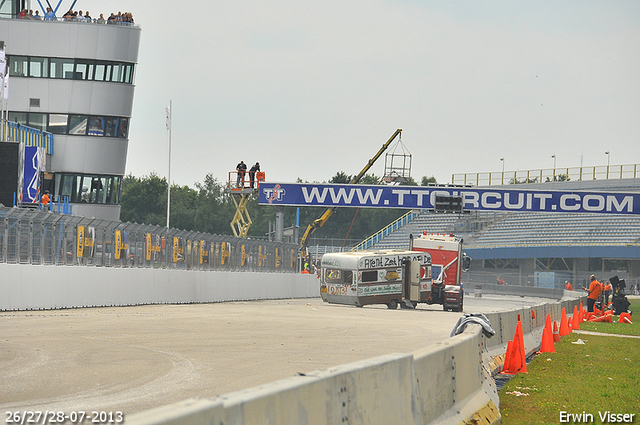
x: 603, y: 172
x: 46, y: 238
x: 367, y: 243
x: 14, y: 132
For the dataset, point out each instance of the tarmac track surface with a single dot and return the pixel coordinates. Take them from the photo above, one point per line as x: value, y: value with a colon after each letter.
x: 130, y: 359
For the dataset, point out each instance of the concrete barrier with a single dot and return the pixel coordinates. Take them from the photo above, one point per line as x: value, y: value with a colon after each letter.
x: 450, y: 382
x: 27, y: 287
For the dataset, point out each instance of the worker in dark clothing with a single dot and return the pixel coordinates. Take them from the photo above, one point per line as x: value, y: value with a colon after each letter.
x: 252, y: 173
x: 241, y: 169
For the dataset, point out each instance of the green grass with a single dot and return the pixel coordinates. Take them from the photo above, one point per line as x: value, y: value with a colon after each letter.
x: 601, y: 375
x: 618, y: 328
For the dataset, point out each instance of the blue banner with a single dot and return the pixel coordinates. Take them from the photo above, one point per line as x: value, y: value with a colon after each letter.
x: 419, y: 197
x: 33, y: 162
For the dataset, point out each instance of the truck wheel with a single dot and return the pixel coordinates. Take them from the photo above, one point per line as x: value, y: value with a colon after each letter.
x: 392, y: 305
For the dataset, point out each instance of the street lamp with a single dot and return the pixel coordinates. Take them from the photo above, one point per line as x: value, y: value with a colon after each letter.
x: 554, y: 167
x: 502, y: 160
x: 608, y: 158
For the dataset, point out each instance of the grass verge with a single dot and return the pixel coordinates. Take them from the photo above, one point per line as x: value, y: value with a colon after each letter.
x: 601, y: 375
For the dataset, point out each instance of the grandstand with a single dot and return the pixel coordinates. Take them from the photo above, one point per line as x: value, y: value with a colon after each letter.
x: 521, y: 246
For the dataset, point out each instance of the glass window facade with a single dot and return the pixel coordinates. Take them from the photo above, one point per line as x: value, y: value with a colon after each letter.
x: 88, y: 188
x: 75, y: 125
x: 71, y: 69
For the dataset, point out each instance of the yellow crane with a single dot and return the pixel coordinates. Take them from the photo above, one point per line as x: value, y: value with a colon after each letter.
x: 319, y: 222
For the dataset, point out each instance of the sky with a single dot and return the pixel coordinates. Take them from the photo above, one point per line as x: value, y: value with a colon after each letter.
x: 310, y: 88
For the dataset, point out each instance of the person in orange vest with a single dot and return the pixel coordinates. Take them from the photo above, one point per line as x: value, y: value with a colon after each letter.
x: 594, y: 291
x: 46, y: 198
x: 569, y: 286
x: 607, y: 292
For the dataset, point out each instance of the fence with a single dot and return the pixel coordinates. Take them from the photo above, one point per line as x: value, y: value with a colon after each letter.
x: 603, y: 172
x: 46, y: 238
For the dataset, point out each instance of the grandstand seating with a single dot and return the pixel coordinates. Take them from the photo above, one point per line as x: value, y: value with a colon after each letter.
x: 489, y: 229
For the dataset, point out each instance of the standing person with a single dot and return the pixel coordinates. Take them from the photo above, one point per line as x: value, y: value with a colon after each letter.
x: 241, y: 169
x: 607, y: 292
x: 252, y: 173
x: 49, y: 15
x: 594, y: 291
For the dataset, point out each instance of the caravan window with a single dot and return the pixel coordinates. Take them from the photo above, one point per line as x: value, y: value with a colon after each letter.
x: 338, y: 276
x: 370, y: 276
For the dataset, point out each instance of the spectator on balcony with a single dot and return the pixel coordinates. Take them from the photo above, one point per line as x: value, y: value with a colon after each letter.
x: 111, y: 19
x: 24, y: 14
x: 101, y: 19
x: 49, y: 15
x: 87, y: 17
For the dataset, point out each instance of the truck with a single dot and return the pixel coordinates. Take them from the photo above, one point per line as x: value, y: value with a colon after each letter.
x: 448, y: 263
x: 429, y: 272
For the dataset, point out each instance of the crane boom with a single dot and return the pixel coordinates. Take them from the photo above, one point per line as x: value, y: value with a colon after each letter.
x: 319, y: 222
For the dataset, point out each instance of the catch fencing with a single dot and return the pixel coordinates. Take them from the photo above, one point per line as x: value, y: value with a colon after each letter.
x: 32, y: 236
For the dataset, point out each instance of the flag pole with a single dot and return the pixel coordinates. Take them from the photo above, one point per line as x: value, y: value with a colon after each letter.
x: 169, y: 172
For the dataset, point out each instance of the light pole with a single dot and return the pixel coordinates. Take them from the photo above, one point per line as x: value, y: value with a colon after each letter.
x: 554, y: 167
x: 608, y: 158
x: 502, y: 160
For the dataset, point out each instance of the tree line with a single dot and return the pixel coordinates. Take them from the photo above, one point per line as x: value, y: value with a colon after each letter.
x: 207, y: 208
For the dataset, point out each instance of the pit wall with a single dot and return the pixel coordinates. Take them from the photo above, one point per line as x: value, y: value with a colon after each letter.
x: 28, y: 287
x: 446, y: 383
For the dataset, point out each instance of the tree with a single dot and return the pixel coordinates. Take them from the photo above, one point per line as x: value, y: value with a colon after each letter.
x: 426, y: 181
x: 144, y: 200
x: 340, y: 177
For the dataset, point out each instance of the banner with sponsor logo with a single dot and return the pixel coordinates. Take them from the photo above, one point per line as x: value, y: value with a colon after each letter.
x: 34, y: 163
x: 478, y: 199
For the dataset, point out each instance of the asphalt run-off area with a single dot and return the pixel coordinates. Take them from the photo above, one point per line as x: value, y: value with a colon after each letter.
x: 130, y: 359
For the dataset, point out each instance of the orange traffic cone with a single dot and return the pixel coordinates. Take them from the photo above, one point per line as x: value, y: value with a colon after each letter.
x: 625, y: 318
x: 556, y: 335
x: 575, y: 323
x: 564, y: 326
x: 546, y: 345
x: 581, y: 312
x: 508, y: 356
x: 515, y: 360
x: 606, y: 318
x: 533, y: 314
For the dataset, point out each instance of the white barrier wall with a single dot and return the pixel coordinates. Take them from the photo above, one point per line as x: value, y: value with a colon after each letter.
x: 27, y: 287
x: 446, y: 383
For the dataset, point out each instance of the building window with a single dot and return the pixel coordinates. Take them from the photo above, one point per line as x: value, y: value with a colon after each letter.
x: 89, y: 188
x: 19, y: 66
x: 84, y: 70
x: 58, y: 123
x: 78, y: 124
x: 38, y: 121
x: 71, y: 69
x: 96, y: 126
x: 39, y: 67
x: 19, y: 117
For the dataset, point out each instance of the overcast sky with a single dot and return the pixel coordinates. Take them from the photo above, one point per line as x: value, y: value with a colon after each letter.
x: 313, y: 87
